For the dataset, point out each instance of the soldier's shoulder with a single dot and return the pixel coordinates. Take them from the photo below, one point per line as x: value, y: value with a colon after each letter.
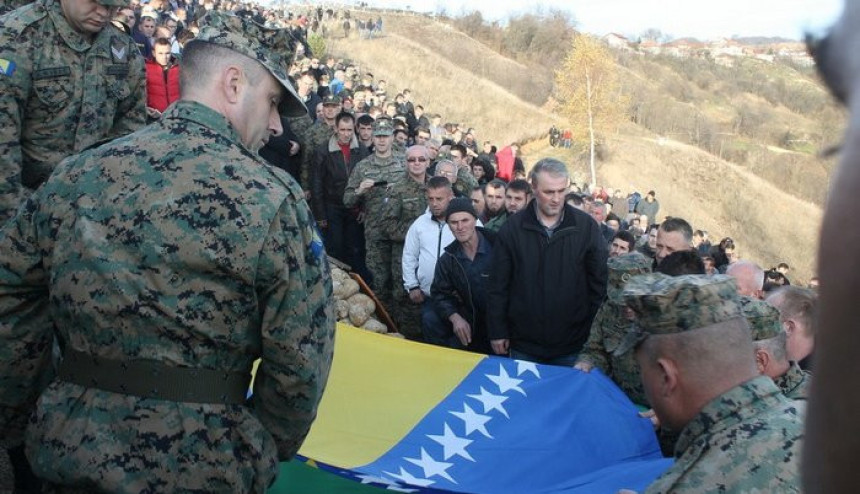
x: 16, y: 22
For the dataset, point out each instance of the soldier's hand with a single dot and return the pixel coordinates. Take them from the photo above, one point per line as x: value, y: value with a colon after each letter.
x: 416, y: 296
x: 365, y: 185
x: 583, y: 366
x: 501, y: 347
x: 461, y: 329
x: 152, y: 113
x: 650, y: 414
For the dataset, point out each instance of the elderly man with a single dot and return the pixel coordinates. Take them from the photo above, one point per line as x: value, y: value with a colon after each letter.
x: 549, y: 275
x: 749, y: 277
x: 693, y: 349
x: 460, y: 283
x: 68, y: 80
x: 461, y: 177
x: 173, y: 256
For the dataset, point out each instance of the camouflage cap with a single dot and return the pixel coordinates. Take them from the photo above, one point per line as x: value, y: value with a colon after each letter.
x: 762, y: 317
x: 621, y: 269
x: 270, y: 47
x: 673, y: 304
x: 331, y: 99
x: 383, y: 127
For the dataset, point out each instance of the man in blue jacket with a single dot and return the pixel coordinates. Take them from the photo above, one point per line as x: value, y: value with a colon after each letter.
x: 549, y: 275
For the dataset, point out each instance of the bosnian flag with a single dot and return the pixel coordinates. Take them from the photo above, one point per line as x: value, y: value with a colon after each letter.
x: 408, y: 417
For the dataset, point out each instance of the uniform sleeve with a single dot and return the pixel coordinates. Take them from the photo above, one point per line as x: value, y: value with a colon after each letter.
x: 593, y: 351
x: 350, y: 197
x: 297, y: 327
x: 15, y: 86
x: 302, y: 128
x: 131, y: 111
x: 26, y: 334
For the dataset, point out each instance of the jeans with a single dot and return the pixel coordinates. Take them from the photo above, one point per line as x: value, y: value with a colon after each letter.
x: 436, y: 330
x: 563, y: 361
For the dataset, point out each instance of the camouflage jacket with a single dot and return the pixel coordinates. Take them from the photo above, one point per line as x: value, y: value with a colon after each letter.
x: 466, y: 182
x: 60, y: 94
x: 610, y: 326
x: 495, y: 224
x: 404, y: 203
x: 175, y: 244
x: 312, y: 135
x: 390, y: 170
x: 746, y: 440
x: 794, y: 384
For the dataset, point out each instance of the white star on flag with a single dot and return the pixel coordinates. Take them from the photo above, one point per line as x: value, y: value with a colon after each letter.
x: 407, y: 478
x: 432, y: 467
x: 452, y: 445
x: 373, y: 479
x: 524, y: 366
x: 506, y: 382
x: 474, y: 421
x: 491, y: 401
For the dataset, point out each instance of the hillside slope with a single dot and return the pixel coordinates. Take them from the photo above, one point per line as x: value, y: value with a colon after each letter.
x: 771, y: 204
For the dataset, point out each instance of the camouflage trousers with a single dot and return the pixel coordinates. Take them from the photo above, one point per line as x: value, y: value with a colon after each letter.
x: 379, y: 265
x: 406, y: 314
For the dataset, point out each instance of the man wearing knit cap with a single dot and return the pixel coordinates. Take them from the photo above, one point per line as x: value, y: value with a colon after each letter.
x: 693, y: 347
x: 771, y: 356
x: 610, y: 326
x: 169, y: 261
x: 459, y: 288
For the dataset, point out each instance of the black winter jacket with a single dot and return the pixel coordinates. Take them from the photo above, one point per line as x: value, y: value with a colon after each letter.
x: 545, y: 291
x: 330, y: 174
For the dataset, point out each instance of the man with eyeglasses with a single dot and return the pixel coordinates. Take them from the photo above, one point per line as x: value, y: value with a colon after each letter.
x: 404, y: 203
x: 69, y: 79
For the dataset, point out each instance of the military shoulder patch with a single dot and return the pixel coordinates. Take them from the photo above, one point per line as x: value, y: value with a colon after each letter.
x: 317, y: 244
x: 7, y: 67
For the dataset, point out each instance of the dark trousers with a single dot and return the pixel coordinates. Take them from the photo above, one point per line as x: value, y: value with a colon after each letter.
x: 344, y: 239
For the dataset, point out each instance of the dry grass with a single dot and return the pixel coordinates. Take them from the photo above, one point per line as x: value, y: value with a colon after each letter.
x: 442, y: 87
x: 769, y: 225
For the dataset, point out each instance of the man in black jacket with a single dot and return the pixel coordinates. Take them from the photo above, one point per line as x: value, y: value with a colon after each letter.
x: 549, y: 275
x: 333, y: 162
x: 459, y: 287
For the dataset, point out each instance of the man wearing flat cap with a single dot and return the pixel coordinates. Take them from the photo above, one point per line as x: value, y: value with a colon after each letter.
x: 694, y: 351
x: 69, y: 80
x: 169, y: 261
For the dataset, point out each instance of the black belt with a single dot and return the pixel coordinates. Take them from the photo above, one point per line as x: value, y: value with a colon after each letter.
x: 154, y: 379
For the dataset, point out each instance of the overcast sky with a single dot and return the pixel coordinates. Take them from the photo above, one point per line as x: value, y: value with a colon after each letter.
x: 679, y: 18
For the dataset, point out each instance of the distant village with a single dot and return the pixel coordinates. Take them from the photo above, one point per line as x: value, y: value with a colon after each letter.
x: 724, y: 51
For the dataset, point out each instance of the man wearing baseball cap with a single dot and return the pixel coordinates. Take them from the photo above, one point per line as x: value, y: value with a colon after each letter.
x: 695, y: 354
x: 168, y: 262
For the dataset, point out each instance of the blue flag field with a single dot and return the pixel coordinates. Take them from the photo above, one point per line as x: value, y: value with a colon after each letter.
x: 408, y: 417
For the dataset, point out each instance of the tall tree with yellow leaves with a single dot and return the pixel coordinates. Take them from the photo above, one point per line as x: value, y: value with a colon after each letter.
x: 590, y: 95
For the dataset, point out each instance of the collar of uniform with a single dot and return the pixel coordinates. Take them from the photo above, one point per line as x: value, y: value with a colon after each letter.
x: 791, y: 380
x: 203, y: 115
x: 74, y: 39
x: 735, y: 405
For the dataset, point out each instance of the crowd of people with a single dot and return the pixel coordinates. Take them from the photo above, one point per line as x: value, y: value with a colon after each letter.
x: 192, y: 224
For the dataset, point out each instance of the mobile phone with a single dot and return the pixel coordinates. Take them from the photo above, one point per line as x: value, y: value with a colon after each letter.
x: 380, y: 182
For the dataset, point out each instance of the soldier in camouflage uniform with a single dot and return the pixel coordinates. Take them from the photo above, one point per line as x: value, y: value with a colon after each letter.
x: 368, y: 186
x: 170, y: 260
x: 610, y: 326
x: 405, y: 202
x: 312, y: 135
x: 68, y: 80
x: 693, y: 347
x: 770, y: 349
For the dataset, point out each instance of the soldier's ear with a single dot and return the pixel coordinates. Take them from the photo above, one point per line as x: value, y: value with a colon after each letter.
x: 670, y: 377
x: 762, y: 360
x: 232, y: 80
